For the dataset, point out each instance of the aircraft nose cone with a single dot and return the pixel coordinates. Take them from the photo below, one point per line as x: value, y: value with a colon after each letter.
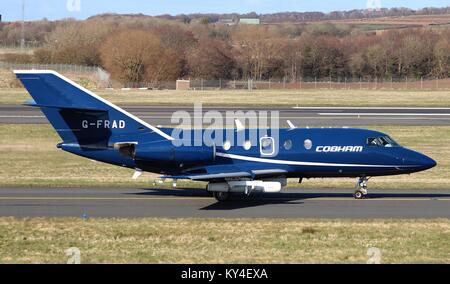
x: 420, y: 161
x: 428, y: 163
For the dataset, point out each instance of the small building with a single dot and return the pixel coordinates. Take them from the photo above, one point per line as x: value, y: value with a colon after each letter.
x: 183, y: 85
x: 228, y: 22
x: 249, y: 21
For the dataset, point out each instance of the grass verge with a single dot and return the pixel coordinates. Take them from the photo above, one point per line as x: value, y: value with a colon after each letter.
x: 29, y: 158
x: 44, y: 240
x: 281, y: 98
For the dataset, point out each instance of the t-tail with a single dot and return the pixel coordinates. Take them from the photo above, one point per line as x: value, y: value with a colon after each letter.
x: 80, y: 116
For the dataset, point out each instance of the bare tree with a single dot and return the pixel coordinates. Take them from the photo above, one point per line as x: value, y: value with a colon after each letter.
x: 211, y: 59
x: 138, y: 56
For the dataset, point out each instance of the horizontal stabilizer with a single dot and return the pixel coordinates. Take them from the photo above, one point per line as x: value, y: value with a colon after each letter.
x: 34, y: 104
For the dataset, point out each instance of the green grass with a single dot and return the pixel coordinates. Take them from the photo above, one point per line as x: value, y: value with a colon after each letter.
x: 286, y: 98
x: 30, y: 159
x: 373, y: 27
x: 45, y: 240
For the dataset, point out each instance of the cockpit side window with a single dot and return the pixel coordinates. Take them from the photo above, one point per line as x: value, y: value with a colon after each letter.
x: 391, y: 141
x: 373, y: 142
x: 383, y: 141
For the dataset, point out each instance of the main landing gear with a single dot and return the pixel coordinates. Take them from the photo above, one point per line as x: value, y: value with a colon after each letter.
x: 361, y: 188
x: 221, y: 196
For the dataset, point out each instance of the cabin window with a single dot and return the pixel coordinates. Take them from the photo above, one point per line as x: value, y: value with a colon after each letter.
x: 308, y: 144
x: 247, y: 145
x: 267, y: 146
x: 287, y: 145
x: 227, y: 145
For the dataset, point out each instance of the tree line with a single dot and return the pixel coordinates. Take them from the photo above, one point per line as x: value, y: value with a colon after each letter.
x: 149, y: 49
x: 297, y: 17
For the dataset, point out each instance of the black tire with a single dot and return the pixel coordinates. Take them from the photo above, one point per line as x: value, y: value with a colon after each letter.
x: 358, y: 194
x: 221, y: 196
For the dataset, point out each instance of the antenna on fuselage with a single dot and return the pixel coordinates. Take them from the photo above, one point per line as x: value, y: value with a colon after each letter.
x: 137, y: 174
x: 239, y: 125
x: 291, y: 125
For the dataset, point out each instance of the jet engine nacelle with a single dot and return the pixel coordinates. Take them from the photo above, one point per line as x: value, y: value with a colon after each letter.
x: 242, y: 186
x: 165, y: 151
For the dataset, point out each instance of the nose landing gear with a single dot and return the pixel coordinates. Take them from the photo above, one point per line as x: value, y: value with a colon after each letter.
x: 361, y: 188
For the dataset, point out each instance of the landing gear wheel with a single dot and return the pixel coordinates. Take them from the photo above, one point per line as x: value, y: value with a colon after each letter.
x: 361, y: 188
x: 222, y: 196
x: 359, y: 194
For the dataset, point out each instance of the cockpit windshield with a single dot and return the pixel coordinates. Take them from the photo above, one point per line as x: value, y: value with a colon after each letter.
x: 382, y: 141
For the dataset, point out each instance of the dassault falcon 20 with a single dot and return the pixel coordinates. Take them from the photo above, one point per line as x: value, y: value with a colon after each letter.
x: 94, y: 128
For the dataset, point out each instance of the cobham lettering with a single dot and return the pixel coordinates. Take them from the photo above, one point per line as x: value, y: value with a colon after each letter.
x: 339, y: 149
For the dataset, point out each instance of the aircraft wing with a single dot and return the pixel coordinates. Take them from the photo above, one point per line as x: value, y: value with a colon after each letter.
x: 226, y: 172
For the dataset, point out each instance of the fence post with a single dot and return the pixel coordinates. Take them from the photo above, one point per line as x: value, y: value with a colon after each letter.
x: 315, y: 82
x: 437, y: 83
x: 421, y: 83
x: 360, y: 83
x: 407, y: 82
x: 220, y: 83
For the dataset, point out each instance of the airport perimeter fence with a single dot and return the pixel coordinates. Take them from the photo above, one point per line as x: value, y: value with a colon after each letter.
x: 407, y: 83
x: 424, y: 83
x: 103, y: 80
x: 55, y: 67
x: 18, y: 45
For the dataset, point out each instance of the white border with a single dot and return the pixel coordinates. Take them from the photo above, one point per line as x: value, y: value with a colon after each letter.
x: 261, y: 146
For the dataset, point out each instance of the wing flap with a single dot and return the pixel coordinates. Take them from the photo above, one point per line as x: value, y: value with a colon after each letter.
x: 221, y: 173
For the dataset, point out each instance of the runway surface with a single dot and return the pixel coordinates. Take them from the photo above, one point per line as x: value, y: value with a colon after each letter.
x: 186, y: 203
x: 300, y: 116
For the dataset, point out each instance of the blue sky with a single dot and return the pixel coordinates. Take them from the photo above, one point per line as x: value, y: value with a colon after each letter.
x: 57, y: 9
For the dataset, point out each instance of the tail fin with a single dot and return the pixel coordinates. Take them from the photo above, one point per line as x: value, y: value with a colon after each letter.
x: 77, y: 114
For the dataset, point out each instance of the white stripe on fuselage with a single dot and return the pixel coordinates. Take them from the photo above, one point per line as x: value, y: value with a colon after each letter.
x: 380, y: 114
x: 298, y: 163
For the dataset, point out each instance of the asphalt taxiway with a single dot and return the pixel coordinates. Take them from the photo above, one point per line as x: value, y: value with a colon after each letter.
x: 300, y: 116
x: 194, y: 203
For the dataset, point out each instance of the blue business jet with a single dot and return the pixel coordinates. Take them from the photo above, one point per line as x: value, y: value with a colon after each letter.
x: 92, y: 127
